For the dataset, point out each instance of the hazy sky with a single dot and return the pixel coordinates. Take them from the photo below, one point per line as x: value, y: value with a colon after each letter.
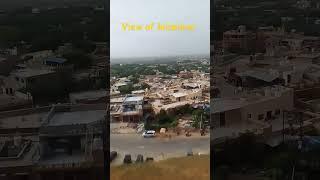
x: 159, y: 43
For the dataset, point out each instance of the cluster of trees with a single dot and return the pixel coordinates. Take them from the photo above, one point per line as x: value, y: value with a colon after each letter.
x: 164, y: 120
x: 169, y: 71
x: 79, y: 59
x: 49, y: 29
x: 135, y: 70
x: 198, y: 115
x: 129, y: 88
x: 84, y: 46
x: 169, y: 120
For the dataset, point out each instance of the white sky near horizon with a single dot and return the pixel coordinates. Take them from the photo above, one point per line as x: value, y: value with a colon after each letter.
x: 124, y: 44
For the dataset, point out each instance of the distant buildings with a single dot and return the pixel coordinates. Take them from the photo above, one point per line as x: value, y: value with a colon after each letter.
x: 164, y: 92
x: 239, y: 40
x: 185, y: 74
x: 37, y: 57
x: 9, y: 51
x: 270, y: 40
x: 256, y: 92
x: 303, y: 4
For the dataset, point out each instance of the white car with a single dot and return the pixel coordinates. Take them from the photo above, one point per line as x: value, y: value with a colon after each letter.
x: 150, y: 133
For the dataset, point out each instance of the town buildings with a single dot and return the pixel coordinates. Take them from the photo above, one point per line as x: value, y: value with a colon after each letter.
x: 239, y: 39
x: 164, y: 92
x: 53, y: 142
x: 258, y: 92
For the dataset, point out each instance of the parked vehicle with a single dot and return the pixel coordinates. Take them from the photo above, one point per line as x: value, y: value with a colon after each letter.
x: 189, y: 152
x: 113, y: 155
x: 127, y: 159
x: 149, y: 159
x: 139, y: 159
x: 149, y: 133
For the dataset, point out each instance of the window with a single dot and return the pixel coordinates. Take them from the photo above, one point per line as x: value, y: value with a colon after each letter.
x: 277, y: 112
x: 22, y: 80
x: 17, y: 79
x: 222, y: 119
x: 30, y: 81
x: 289, y: 78
x: 269, y: 114
x: 249, y: 116
x: 261, y: 116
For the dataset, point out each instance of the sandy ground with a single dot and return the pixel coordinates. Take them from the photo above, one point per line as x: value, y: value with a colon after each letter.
x: 186, y: 168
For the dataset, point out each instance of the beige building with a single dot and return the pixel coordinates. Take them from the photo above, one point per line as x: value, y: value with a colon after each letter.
x: 255, y: 107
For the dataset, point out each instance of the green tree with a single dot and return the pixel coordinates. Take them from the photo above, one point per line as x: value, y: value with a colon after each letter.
x: 79, y: 59
x: 83, y: 45
x: 134, y: 80
x: 44, y: 43
x: 145, y: 86
x: 197, y: 116
x: 8, y: 35
x: 126, y: 89
x: 166, y: 120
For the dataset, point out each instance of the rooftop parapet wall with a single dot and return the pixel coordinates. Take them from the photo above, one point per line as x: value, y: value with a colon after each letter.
x: 58, y: 108
x: 71, y: 108
x: 21, y: 112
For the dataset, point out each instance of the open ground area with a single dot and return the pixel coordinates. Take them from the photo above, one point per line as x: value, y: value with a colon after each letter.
x: 187, y: 168
x: 158, y: 148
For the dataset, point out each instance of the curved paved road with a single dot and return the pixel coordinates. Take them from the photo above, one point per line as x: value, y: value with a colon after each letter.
x: 158, y: 148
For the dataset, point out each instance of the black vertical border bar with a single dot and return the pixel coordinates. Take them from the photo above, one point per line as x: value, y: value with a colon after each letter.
x: 212, y: 16
x: 106, y: 124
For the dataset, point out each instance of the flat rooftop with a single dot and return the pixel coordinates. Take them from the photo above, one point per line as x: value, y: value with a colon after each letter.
x: 264, y: 75
x: 6, y: 100
x: 138, y: 92
x: 245, y: 98
x: 24, y: 121
x: 31, y: 72
x: 176, y: 104
x: 159, y: 105
x: 117, y: 100
x: 133, y: 99
x: 179, y: 94
x: 89, y: 94
x: 223, y: 104
x: 77, y: 117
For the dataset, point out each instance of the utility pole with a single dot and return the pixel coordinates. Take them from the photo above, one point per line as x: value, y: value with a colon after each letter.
x: 301, y: 130
x: 106, y: 154
x: 201, y: 121
x: 283, y: 116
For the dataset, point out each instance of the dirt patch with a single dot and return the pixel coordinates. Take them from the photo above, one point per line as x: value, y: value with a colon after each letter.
x: 186, y: 168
